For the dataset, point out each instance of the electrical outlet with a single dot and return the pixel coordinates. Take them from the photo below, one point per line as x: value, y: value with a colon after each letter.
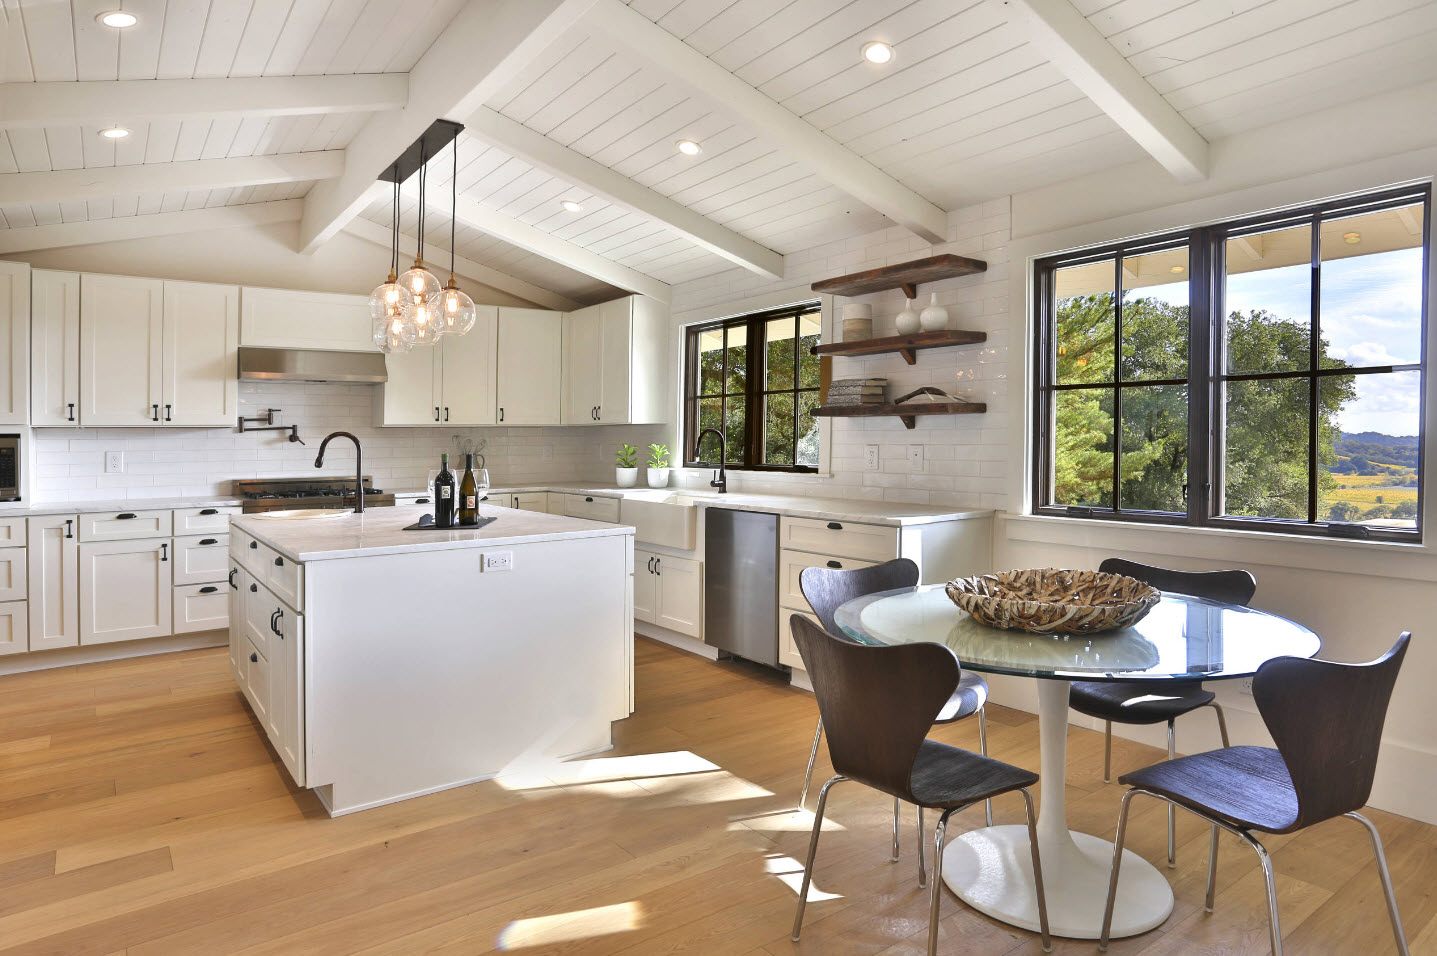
x: 870, y: 457
x: 915, y: 457
x: 499, y: 561
x: 114, y: 462
x: 1244, y: 686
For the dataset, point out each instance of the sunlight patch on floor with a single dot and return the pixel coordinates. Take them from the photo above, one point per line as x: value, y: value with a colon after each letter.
x: 790, y: 872
x: 569, y: 927
x: 782, y: 821
x: 566, y: 773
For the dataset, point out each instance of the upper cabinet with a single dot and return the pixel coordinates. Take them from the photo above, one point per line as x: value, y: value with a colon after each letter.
x: 451, y: 383
x: 14, y: 343
x: 530, y: 360
x: 54, y: 348
x: 290, y: 319
x: 157, y: 353
x: 616, y: 358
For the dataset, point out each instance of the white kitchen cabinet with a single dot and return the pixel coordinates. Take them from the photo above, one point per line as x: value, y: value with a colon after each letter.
x: 413, y: 394
x: 200, y: 607
x: 201, y: 560
x: 14, y: 343
x: 239, y: 582
x: 53, y: 562
x: 286, y: 691
x: 125, y: 590
x: 12, y: 574
x: 530, y: 501
x: 256, y: 683
x: 54, y: 349
x: 646, y: 586
x: 122, y: 322
x: 14, y: 627
x: 124, y: 525
x: 592, y: 507
x: 12, y: 533
x: 293, y: 319
x: 616, y: 363
x: 530, y: 360
x: 199, y: 366
x: 214, y: 520
x: 467, y: 394
x: 668, y: 591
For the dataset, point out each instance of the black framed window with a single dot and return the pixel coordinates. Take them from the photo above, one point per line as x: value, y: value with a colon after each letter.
x: 1263, y: 373
x: 754, y: 378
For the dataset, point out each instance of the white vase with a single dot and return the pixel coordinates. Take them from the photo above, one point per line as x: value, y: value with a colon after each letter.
x: 658, y: 477
x: 935, y: 317
x: 626, y: 477
x: 907, y: 320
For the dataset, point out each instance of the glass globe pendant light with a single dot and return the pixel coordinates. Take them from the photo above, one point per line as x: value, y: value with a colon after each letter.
x: 389, y: 301
x: 419, y: 282
x: 455, y: 308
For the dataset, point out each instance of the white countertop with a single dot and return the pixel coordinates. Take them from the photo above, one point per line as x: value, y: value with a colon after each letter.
x: 381, y: 531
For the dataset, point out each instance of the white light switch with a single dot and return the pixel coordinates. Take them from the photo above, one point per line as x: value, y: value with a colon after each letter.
x: 114, y: 462
x: 915, y: 457
x: 870, y: 457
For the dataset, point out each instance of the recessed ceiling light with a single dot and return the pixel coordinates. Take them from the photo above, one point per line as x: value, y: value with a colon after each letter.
x: 1352, y: 238
x: 877, y: 52
x: 571, y: 206
x: 1178, y: 270
x: 118, y: 19
x: 688, y: 147
x: 114, y: 132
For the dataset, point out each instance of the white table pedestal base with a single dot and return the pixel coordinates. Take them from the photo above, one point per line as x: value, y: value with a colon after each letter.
x: 991, y: 869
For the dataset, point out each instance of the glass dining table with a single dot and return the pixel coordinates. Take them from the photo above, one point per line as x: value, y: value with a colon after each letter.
x: 990, y: 868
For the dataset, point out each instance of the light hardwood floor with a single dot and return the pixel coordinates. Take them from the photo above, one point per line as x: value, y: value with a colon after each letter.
x: 141, y: 812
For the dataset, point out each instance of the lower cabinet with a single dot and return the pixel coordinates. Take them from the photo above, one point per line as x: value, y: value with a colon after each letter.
x: 669, y: 592
x: 266, y: 654
x: 200, y: 607
x: 530, y: 501
x: 592, y: 507
x: 125, y: 590
x: 53, y: 560
x: 14, y: 627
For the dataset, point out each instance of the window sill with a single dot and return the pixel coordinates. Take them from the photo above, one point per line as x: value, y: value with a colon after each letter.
x: 1388, y: 559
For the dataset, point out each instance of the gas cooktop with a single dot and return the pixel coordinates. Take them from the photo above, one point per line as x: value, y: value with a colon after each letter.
x: 269, y: 494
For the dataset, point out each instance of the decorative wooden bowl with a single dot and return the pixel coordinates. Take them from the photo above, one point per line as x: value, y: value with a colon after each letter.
x: 1054, y: 601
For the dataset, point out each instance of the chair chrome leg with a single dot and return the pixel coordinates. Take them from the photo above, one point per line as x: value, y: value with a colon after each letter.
x: 1274, y: 924
x: 1117, y: 866
x: 1221, y: 722
x: 983, y: 749
x: 812, y: 850
x: 1386, y: 876
x: 812, y: 758
x: 1172, y: 810
x: 935, y: 892
x: 893, y: 858
x: 1211, y: 870
x: 1107, y: 751
x: 922, y: 852
x: 1037, y: 873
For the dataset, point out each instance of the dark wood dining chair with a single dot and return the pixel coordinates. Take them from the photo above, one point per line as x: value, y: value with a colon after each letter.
x: 826, y: 589
x: 878, y: 704
x: 1157, y: 702
x: 1326, y: 719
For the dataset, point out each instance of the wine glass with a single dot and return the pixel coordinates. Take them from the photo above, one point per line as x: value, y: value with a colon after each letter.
x: 481, y: 481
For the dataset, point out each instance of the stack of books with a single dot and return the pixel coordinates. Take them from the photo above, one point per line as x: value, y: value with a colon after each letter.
x: 857, y: 391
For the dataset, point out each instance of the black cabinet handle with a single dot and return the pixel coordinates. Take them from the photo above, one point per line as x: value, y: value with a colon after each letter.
x: 279, y: 620
x: 254, y: 658
x: 501, y: 413
x: 209, y: 541
x: 209, y: 511
x: 651, y: 565
x: 273, y: 614
x: 834, y: 526
x: 233, y: 572
x: 598, y: 413
x: 588, y: 499
x: 446, y: 413
x: 835, y: 564
x: 485, y: 498
x: 254, y: 545
x: 208, y: 589
x: 167, y: 413
x: 154, y: 413
x: 436, y: 413
x: 279, y: 562
x: 659, y: 566
x: 69, y: 527
x: 71, y: 415
x: 254, y: 589
x: 421, y: 501
x: 164, y: 552
x: 124, y: 515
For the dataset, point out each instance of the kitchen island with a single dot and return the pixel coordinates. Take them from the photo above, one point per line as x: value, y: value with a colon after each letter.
x: 385, y: 664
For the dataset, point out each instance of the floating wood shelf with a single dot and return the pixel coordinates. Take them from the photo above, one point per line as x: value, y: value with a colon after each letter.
x: 908, y: 412
x: 905, y: 345
x: 906, y: 276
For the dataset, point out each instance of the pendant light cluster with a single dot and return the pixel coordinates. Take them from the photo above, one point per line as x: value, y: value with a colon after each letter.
x: 413, y: 309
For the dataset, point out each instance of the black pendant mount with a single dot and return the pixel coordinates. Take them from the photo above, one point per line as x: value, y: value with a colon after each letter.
x: 439, y: 135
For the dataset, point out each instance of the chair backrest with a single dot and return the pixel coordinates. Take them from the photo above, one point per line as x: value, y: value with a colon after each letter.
x: 877, y: 703
x: 1326, y: 719
x: 826, y: 588
x: 1229, y: 587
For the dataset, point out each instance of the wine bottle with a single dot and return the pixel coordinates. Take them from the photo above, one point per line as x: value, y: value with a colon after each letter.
x: 444, y: 495
x: 469, y: 495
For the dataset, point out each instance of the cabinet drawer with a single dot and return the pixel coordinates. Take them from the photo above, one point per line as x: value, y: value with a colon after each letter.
x: 123, y: 525
x: 787, y: 649
x: 14, y: 627
x: 12, y: 533
x: 590, y: 506
x: 201, y: 607
x: 256, y: 682
x: 282, y: 575
x: 203, y: 520
x: 530, y: 501
x: 869, y: 542
x: 790, y: 568
x: 202, y: 560
x: 12, y: 574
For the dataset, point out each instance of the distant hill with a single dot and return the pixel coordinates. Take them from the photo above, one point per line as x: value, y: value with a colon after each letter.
x: 1373, y: 453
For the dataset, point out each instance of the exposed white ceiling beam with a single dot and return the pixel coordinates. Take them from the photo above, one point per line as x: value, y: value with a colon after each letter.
x: 70, y: 184
x: 378, y: 235
x: 565, y: 163
x: 558, y: 250
x: 481, y: 50
x: 1251, y: 246
x: 28, y: 238
x: 1409, y: 221
x: 855, y: 175
x: 103, y: 102
x: 1084, y: 55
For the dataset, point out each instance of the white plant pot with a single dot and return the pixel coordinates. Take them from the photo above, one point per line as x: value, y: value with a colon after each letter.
x: 907, y: 321
x: 658, y: 477
x: 934, y: 318
x: 626, y: 477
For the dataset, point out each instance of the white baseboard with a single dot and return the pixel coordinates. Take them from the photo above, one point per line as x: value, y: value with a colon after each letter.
x: 674, y: 639
x: 70, y: 656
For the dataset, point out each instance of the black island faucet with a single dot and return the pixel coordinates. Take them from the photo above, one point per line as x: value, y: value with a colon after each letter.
x: 720, y: 480
x: 358, y: 466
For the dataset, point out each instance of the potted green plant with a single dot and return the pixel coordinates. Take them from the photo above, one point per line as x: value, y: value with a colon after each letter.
x: 658, y: 472
x: 626, y: 466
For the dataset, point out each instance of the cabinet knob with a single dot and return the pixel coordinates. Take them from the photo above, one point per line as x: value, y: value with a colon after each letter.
x: 837, y: 565
x: 254, y: 545
x: 208, y: 589
x: 279, y: 562
x: 834, y: 526
x: 254, y: 588
x: 254, y: 658
x: 209, y: 541
x: 588, y: 498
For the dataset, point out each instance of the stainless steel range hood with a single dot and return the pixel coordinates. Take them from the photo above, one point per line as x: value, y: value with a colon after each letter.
x: 311, y: 365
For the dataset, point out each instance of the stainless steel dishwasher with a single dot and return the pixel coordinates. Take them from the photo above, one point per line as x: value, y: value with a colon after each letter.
x: 741, y: 583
